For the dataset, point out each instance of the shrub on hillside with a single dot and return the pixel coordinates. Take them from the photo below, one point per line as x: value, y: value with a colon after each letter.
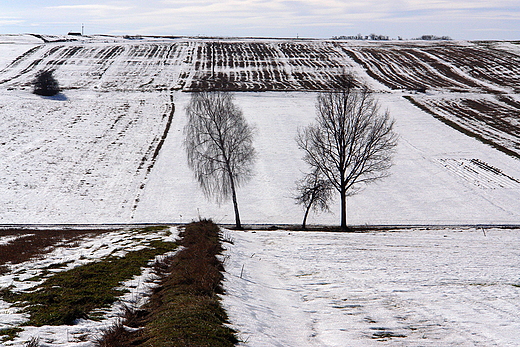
x: 45, y: 84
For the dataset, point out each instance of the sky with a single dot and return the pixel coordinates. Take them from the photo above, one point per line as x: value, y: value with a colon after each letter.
x: 459, y: 19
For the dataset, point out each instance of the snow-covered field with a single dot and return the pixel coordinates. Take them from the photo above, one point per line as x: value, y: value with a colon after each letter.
x: 423, y: 189
x: 447, y: 287
x: 97, y: 153
x: 85, y: 160
x: 13, y: 46
x: 76, y: 158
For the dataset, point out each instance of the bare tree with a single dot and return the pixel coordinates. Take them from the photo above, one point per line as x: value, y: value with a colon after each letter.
x: 314, y: 192
x: 219, y: 146
x: 352, y: 141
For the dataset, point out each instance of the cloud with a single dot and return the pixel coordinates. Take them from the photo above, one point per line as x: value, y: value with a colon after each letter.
x: 271, y: 13
x: 319, y: 18
x: 458, y: 4
x: 4, y: 22
x: 102, y: 10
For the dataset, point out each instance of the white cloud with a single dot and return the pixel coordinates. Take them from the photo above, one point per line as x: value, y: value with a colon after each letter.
x: 10, y: 21
x: 458, y: 4
x: 92, y: 9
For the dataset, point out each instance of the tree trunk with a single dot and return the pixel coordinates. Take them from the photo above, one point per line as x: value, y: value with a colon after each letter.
x: 238, y: 225
x: 304, y: 223
x: 343, y: 194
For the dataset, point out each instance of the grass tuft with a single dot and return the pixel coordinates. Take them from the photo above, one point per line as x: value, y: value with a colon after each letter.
x: 33, y: 342
x: 113, y: 336
x: 9, y: 334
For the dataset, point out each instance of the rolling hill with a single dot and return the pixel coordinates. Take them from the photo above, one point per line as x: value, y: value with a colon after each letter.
x: 109, y: 149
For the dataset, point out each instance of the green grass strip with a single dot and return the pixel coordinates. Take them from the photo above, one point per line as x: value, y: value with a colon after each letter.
x: 9, y: 334
x: 75, y: 293
x: 185, y: 310
x: 189, y: 320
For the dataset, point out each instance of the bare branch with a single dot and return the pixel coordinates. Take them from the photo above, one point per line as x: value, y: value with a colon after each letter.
x: 314, y: 192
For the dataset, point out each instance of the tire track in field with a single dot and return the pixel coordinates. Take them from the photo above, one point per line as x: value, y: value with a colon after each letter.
x: 491, y: 120
x: 480, y: 173
x: 153, y: 159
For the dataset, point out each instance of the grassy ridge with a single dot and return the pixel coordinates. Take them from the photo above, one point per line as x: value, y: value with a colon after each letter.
x: 185, y: 309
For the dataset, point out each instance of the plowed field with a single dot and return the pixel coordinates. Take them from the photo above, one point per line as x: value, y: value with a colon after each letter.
x: 87, y: 155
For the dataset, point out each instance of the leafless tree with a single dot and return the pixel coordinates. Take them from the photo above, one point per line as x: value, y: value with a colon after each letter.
x: 314, y: 192
x: 219, y: 146
x: 352, y: 141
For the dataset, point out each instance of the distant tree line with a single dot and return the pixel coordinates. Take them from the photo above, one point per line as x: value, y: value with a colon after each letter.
x: 433, y: 38
x: 375, y: 37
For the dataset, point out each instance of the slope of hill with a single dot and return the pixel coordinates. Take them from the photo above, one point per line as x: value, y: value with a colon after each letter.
x: 436, y: 178
x: 95, y: 154
x: 403, y: 288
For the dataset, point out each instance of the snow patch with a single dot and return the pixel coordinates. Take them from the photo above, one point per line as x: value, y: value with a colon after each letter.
x: 406, y: 288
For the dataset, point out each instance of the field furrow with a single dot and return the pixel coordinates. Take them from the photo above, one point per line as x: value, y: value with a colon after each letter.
x: 484, y: 63
x: 410, y: 68
x: 62, y: 161
x: 493, y: 119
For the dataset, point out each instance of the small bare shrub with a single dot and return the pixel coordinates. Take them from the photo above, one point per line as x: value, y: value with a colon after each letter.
x: 226, y: 237
x: 33, y: 342
x: 114, y: 336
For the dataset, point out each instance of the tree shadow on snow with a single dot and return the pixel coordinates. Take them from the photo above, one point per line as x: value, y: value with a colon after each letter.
x: 57, y: 97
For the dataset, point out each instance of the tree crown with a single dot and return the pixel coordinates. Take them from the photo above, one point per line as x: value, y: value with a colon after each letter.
x: 218, y: 142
